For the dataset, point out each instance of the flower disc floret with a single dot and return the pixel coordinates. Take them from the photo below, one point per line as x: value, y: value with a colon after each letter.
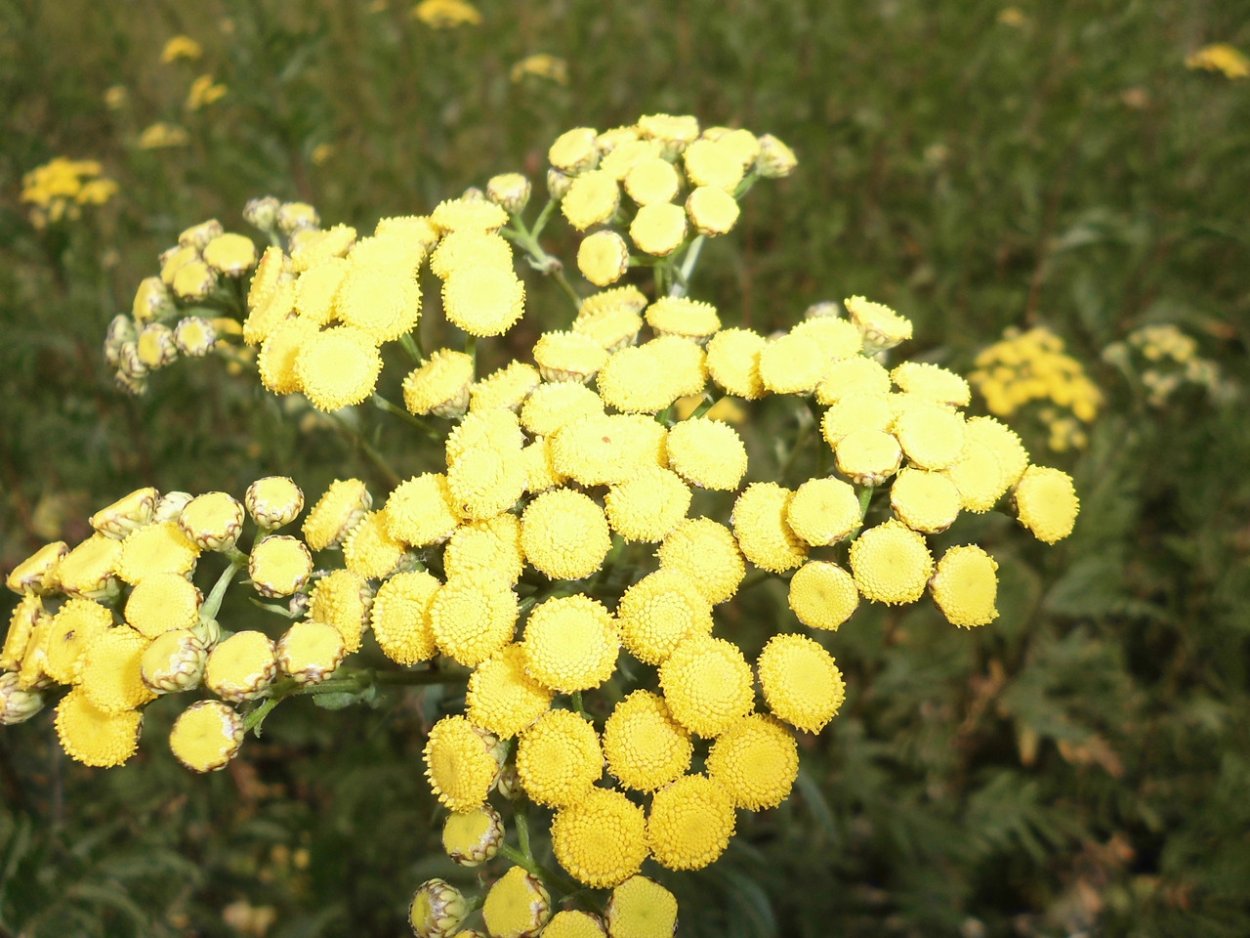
x: 111, y: 675
x: 401, y: 617
x: 206, y: 736
x: 927, y: 502
x: 707, y: 684
x: 161, y: 603
x: 600, y: 839
x: 891, y: 563
x: 565, y: 535
x: 154, y: 549
x: 571, y: 643
x: 965, y: 586
x: 647, y: 506
x: 342, y: 599
x: 868, y: 457
x: 644, y: 746
x: 94, y: 737
x: 370, y: 550
x: 759, y: 524
x: 659, y: 611
x: 338, y: 367
x: 823, y: 511
x: 658, y: 229
x: 483, y: 300
x: 517, y: 906
x: 756, y: 761
x: 502, y: 697
x: 823, y: 595
x: 733, y: 362
x: 707, y: 453
x: 641, y: 908
x: 558, y: 758
x: 473, y: 617
x: 706, y: 555
x: 690, y: 824
x: 74, y: 627
x: 419, y: 511
x: 801, y: 683
x: 461, y: 763
x: 1046, y: 503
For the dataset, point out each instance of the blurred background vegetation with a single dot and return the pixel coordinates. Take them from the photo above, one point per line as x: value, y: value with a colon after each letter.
x: 1080, y: 767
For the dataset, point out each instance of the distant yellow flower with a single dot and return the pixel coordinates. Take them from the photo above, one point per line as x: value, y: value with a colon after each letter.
x: 179, y: 48
x: 541, y: 65
x: 203, y: 92
x: 162, y: 136
x: 1220, y: 57
x: 446, y: 14
x: 116, y: 97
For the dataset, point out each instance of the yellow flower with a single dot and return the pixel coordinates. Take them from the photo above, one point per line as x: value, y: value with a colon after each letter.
x: 733, y: 362
x: 759, y: 524
x: 882, y: 327
x: 273, y: 308
x: 645, y: 747
x: 612, y: 328
x: 230, y: 254
x: 636, y: 380
x: 659, y: 611
x: 213, y: 521
x: 127, y: 513
x: 684, y: 317
x: 509, y: 387
x: 273, y: 501
x: 1005, y: 445
x: 342, y: 599
x: 600, y: 839
x: 206, y: 736
x: 647, y: 506
x: 822, y: 595
x: 461, y: 763
x: 977, y: 475
x: 242, y: 667
x: 603, y: 257
x: 823, y: 511
x: 933, y: 382
x: 553, y: 406
x: 195, y: 336
x: 558, y: 758
x: 181, y: 47
x: 801, y: 683
x: 419, y: 511
x: 621, y: 153
x: 927, y: 502
x: 37, y: 573
x: 485, y: 481
x: 564, y: 535
x: 93, y: 737
x: 658, y: 229
x: 90, y: 568
x: 641, y: 908
x: 573, y: 924
x: 574, y: 150
x: 473, y: 617
x: 309, y: 651
x: 492, y: 429
x: 690, y: 824
x: 161, y: 603
x: 856, y: 411
x: 852, y: 375
x: 568, y: 356
x: 153, y: 549
x: 571, y: 644
x: 486, y: 548
x: 710, y: 164
x: 775, y: 159
x: 652, y: 180
x: 163, y: 135
x: 279, y: 565
x: 965, y: 586
x: 110, y: 675
x: 447, y: 14
x: 502, y: 697
x: 706, y: 554
x: 1220, y: 57
x: 370, y: 549
x: 336, y: 513
x: 868, y: 457
x: 26, y: 614
x: 472, y: 837
x: 483, y: 300
x: 931, y: 435
x: 339, y: 367
x: 72, y: 629
x: 707, y: 684
x: 541, y: 65
x: 891, y: 563
x: 592, y: 199
x: 401, y: 617
x: 756, y: 761
x: 155, y: 346
x: 1046, y: 503
x: 674, y: 131
x: 440, y: 386
x: 712, y: 211
x: 517, y: 905
x: 173, y: 662
x: 383, y: 302
x: 194, y: 281
x: 707, y: 453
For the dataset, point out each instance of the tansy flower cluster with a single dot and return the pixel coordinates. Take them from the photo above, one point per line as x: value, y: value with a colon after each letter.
x: 447, y: 14
x: 57, y: 190
x: 571, y: 553
x: 1220, y: 57
x: 1165, y: 360
x: 1031, y: 372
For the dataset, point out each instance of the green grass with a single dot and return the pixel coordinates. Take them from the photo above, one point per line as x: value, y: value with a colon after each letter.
x: 1079, y: 765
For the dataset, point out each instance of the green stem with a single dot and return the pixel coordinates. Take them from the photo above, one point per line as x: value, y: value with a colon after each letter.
x: 539, y: 258
x: 390, y: 407
x: 391, y: 477
x: 543, y: 217
x: 412, y: 345
x: 521, y: 860
x: 687, y: 267
x: 210, y: 607
x: 709, y: 401
x: 523, y: 834
x: 257, y: 716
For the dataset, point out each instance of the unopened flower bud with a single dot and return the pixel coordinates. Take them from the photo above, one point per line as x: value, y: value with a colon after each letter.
x: 273, y: 501
x: 208, y: 631
x: 213, y: 520
x: 473, y: 837
x: 775, y: 160
x: 206, y: 736
x: 509, y: 783
x: 231, y: 255
x: 309, y: 652
x: 262, y: 213
x: 437, y: 909
x: 510, y: 191
x: 17, y: 705
x: 152, y: 301
x: 518, y: 905
x: 120, y: 331
x: 242, y: 667
x: 194, y: 281
x: 825, y: 309
x: 155, y: 346
x: 131, y: 385
x: 197, y: 236
x: 297, y: 216
x: 173, y: 662
x: 127, y: 513
x: 279, y: 566
x: 170, y: 506
x: 128, y: 364
x: 194, y: 336
x: 37, y: 573
x: 558, y: 183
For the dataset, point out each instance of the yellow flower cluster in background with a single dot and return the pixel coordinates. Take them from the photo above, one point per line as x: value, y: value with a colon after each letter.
x: 541, y: 65
x: 584, y: 528
x: 447, y: 14
x: 1165, y: 360
x: 57, y: 190
x: 203, y: 92
x: 1220, y: 57
x: 1030, y: 370
x: 181, y: 49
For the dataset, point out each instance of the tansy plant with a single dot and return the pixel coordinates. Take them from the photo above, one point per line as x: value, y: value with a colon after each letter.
x: 573, y: 553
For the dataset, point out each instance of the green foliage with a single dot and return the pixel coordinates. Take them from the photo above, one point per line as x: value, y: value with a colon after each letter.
x: 1078, y: 766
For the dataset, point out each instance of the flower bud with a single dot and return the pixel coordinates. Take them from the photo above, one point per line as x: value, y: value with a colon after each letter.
x: 194, y: 281
x: 279, y: 565
x: 775, y: 160
x: 197, y: 236
x: 120, y: 331
x: 131, y: 385
x: 194, y: 336
x: 273, y: 501
x: 127, y: 513
x: 17, y: 705
x: 262, y: 213
x: 509, y: 783
x: 208, y: 631
x: 129, y: 368
x: 26, y: 616
x: 309, y: 652
x: 437, y: 909
x: 206, y: 736
x: 558, y: 183
x: 517, y: 906
x: 510, y: 191
x: 173, y: 662
x: 242, y: 667
x: 297, y: 216
x: 170, y: 506
x: 152, y: 301
x: 37, y: 573
x: 155, y: 346
x: 213, y: 521
x: 473, y: 837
